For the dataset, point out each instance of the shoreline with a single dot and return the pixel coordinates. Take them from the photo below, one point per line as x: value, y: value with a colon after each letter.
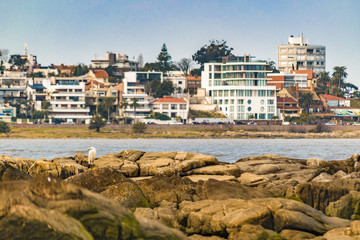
x: 182, y: 132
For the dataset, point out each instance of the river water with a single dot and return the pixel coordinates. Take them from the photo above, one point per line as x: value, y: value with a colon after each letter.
x: 227, y: 150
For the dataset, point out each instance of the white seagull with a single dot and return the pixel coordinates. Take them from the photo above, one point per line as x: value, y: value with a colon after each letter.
x: 92, y: 155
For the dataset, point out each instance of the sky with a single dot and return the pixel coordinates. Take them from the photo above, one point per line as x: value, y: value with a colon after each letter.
x: 74, y: 31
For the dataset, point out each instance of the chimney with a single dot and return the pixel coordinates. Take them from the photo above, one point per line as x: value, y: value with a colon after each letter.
x: 301, y: 39
x: 311, y: 87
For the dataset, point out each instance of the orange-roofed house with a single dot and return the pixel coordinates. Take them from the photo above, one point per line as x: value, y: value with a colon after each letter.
x: 98, y: 75
x: 172, y: 107
x: 330, y: 101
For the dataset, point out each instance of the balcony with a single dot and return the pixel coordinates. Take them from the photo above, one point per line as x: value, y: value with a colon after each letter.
x: 69, y: 110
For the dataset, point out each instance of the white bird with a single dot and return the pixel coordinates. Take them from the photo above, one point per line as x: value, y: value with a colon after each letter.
x: 92, y: 155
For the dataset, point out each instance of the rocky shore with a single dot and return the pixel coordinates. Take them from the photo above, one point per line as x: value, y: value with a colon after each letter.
x: 179, y: 195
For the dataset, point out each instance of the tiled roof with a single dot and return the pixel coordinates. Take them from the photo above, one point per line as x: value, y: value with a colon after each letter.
x: 193, y: 78
x: 94, y: 82
x: 101, y: 74
x: 167, y: 99
x: 329, y: 97
x: 286, y: 99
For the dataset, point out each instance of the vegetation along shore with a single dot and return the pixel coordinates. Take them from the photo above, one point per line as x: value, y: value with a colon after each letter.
x: 52, y: 131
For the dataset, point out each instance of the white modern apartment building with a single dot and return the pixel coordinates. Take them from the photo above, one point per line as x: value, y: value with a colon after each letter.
x: 238, y: 86
x: 67, y: 100
x: 134, y: 87
x: 299, y: 55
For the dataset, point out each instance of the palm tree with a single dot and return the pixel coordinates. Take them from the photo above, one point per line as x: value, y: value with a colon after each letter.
x: 340, y: 74
x: 323, y: 81
x: 107, y: 103
x: 306, y: 100
x: 134, y: 105
x: 123, y: 105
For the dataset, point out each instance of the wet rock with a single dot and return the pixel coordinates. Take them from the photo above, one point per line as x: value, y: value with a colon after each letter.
x: 347, y: 207
x: 49, y: 209
x: 112, y: 184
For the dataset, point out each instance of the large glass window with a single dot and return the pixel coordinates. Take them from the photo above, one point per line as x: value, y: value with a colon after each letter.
x: 270, y: 102
x: 248, y: 93
x: 239, y: 93
x: 240, y: 101
x: 262, y: 93
x: 262, y: 116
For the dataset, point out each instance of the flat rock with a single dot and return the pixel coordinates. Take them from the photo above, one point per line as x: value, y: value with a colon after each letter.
x: 197, y: 178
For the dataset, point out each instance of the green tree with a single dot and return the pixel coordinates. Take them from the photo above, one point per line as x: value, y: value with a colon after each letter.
x: 139, y: 127
x: 37, y: 75
x: 17, y: 61
x: 305, y: 101
x: 79, y: 70
x: 4, y: 127
x: 338, y: 76
x: 97, y: 122
x: 271, y: 67
x: 107, y: 105
x: 323, y: 82
x: 134, y: 104
x: 166, y: 89
x: 164, y: 59
x: 212, y: 52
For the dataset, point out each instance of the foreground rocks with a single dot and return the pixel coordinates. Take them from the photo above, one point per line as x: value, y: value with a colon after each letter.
x: 138, y: 195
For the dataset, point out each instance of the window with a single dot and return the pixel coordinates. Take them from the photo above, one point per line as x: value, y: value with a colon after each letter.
x: 239, y: 93
x: 262, y: 93
x: 241, y: 108
x: 271, y: 108
x: 249, y: 101
x: 262, y: 116
x: 262, y: 109
x: 180, y: 82
x: 173, y: 106
x: 240, y: 101
x: 231, y: 108
x: 215, y: 93
x: 232, y: 93
x: 210, y: 68
x: 226, y: 101
x: 249, y: 109
x: 270, y: 102
x: 248, y: 93
x: 221, y: 101
x: 226, y: 93
x: 182, y: 106
x: 210, y: 76
x: 220, y: 93
x: 165, y: 106
x: 232, y: 101
x: 215, y: 101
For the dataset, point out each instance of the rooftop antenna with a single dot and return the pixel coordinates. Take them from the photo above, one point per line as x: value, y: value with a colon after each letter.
x: 26, y: 48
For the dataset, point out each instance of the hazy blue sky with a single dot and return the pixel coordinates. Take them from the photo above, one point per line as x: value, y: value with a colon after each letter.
x: 73, y: 31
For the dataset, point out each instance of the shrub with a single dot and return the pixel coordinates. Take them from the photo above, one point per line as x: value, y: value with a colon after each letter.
x: 4, y: 127
x: 97, y: 122
x: 320, y: 128
x: 139, y: 127
x: 297, y: 129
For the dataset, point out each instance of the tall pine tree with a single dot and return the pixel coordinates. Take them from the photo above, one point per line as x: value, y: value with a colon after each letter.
x: 164, y: 59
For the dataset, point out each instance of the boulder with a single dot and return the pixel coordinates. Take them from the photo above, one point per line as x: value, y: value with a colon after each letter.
x: 251, y: 232
x: 219, y: 190
x: 112, y: 184
x: 49, y: 209
x: 221, y: 178
x: 252, y: 180
x: 227, y: 169
x: 172, y: 163
x: 172, y: 189
x: 222, y: 217
x: 347, y: 206
x: 8, y: 173
x: 288, y: 234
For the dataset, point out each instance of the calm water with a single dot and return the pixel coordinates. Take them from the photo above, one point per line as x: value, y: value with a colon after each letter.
x: 228, y: 150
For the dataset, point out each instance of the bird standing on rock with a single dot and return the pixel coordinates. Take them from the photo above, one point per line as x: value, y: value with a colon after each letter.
x: 92, y: 156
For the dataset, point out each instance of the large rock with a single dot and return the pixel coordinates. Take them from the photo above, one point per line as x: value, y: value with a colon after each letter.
x: 226, y: 169
x: 222, y: 217
x: 112, y: 184
x: 49, y: 209
x: 172, y: 163
x: 347, y: 207
x: 172, y: 189
x: 8, y: 173
x: 125, y: 161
